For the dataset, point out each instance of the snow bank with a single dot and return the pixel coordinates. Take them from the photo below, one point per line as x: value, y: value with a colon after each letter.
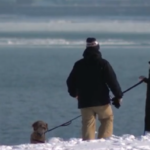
x: 125, y: 142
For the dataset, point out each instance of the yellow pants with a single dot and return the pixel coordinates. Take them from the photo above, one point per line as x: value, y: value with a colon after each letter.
x: 105, y: 116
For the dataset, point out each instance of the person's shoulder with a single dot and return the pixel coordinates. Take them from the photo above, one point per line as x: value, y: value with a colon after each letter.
x: 104, y: 61
x: 78, y: 62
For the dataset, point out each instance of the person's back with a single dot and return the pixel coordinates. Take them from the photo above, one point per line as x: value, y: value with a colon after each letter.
x: 90, y: 80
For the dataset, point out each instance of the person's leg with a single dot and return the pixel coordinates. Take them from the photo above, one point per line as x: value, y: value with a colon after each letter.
x: 88, y: 123
x: 105, y: 116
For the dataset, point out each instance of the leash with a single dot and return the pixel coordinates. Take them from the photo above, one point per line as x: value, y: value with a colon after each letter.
x: 70, y: 121
x: 64, y: 124
x: 133, y: 86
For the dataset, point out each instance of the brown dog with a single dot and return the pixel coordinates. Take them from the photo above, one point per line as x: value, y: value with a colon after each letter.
x: 38, y: 135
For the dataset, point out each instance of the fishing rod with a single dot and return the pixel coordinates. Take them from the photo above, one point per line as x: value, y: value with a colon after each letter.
x: 70, y: 121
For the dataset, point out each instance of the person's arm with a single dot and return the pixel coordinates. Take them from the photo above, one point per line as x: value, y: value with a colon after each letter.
x: 71, y: 82
x: 144, y: 79
x: 111, y: 81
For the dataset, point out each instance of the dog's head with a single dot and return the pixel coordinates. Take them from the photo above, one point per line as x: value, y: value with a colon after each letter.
x: 40, y: 127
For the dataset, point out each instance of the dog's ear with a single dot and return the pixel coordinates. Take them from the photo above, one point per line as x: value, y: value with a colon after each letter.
x: 46, y: 126
x: 34, y: 125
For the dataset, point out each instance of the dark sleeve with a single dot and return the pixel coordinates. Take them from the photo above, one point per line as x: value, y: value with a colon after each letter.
x: 71, y: 82
x: 111, y: 80
x: 145, y: 80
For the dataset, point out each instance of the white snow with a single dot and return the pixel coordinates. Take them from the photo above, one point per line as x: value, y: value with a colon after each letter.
x: 125, y: 142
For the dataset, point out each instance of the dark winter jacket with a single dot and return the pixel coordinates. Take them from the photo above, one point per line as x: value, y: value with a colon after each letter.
x: 145, y: 80
x: 91, y: 78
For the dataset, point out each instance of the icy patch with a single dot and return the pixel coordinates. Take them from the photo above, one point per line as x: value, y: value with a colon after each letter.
x: 64, y: 42
x: 103, y: 26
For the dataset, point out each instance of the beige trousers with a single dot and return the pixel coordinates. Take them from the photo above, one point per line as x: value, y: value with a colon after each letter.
x: 105, y: 116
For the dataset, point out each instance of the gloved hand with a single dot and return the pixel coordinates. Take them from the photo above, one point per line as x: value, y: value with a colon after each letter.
x: 144, y: 79
x: 116, y: 102
x: 76, y: 97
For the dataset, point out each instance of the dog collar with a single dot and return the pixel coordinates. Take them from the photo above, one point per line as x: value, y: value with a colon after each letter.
x: 38, y: 141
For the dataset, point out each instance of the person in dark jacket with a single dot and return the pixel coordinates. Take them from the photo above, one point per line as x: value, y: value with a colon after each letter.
x: 145, y: 79
x: 90, y: 81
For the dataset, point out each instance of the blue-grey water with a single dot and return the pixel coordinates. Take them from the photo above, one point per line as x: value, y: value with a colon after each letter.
x: 38, y: 48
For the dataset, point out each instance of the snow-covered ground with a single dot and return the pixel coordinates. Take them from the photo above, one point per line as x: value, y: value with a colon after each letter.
x: 125, y: 142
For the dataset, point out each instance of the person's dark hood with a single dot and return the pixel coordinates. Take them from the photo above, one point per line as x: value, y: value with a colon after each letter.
x: 92, y: 52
